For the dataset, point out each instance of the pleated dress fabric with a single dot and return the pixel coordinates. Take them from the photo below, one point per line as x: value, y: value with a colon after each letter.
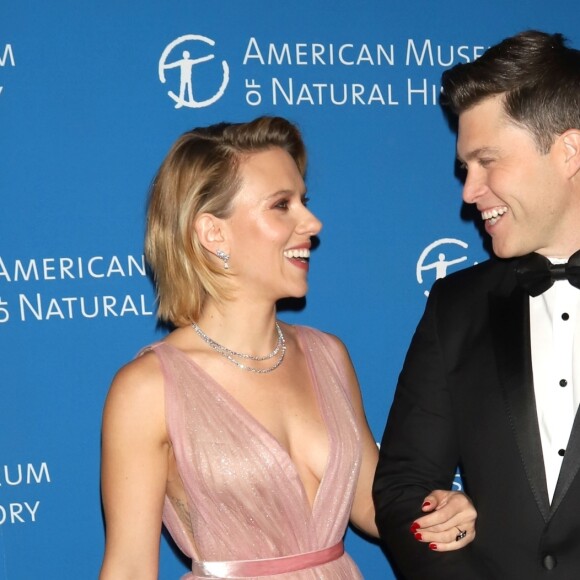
x: 245, y: 498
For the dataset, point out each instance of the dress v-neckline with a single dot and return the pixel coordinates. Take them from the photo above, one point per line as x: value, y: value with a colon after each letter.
x: 257, y: 425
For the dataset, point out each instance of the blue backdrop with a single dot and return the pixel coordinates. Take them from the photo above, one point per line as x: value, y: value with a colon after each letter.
x: 92, y: 94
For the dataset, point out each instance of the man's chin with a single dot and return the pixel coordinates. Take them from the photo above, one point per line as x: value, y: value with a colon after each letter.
x: 505, y: 252
x: 510, y: 255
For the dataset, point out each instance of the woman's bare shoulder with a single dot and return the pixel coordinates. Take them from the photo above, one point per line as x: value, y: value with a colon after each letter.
x: 137, y: 387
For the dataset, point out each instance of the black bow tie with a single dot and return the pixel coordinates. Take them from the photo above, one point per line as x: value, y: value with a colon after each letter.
x: 536, y: 274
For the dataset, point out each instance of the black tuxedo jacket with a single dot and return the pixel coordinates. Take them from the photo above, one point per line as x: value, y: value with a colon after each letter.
x: 465, y: 398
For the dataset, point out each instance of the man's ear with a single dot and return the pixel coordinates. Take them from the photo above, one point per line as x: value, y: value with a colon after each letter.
x: 210, y: 231
x: 571, y: 143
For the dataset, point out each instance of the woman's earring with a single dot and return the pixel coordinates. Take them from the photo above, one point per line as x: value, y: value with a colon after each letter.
x: 225, y: 257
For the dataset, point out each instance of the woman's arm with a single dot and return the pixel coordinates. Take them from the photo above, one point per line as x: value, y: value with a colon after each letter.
x: 363, y: 512
x: 134, y: 471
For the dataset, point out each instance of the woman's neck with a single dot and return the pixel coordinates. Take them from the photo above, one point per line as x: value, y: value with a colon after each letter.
x: 248, y: 328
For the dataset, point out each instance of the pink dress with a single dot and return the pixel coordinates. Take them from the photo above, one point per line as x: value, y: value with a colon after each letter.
x: 246, y: 501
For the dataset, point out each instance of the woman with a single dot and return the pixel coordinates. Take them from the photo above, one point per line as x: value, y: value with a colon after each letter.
x: 245, y: 434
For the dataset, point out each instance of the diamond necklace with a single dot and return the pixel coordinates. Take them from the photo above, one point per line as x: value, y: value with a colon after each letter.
x: 231, y: 355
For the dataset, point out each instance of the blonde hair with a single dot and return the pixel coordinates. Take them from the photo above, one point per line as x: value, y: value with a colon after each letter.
x: 200, y: 174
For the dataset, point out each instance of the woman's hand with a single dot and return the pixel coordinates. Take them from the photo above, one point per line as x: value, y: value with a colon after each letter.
x: 449, y: 523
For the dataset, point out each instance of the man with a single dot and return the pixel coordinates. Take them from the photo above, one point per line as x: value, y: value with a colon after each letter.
x: 491, y: 382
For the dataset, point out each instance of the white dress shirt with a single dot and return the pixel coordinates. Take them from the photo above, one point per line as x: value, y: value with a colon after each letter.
x: 555, y: 342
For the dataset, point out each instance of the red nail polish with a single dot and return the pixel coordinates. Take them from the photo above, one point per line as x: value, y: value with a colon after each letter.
x: 414, y: 527
x: 432, y: 546
x: 418, y: 536
x: 426, y: 504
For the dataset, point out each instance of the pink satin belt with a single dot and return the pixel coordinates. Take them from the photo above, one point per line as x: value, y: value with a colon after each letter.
x: 267, y: 566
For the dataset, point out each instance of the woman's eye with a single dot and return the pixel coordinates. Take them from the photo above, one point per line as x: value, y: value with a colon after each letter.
x: 305, y: 200
x: 282, y: 204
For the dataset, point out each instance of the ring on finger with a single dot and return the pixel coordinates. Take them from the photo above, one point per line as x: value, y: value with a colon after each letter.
x: 460, y: 535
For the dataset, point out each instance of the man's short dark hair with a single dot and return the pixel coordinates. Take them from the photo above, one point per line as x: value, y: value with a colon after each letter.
x: 538, y: 75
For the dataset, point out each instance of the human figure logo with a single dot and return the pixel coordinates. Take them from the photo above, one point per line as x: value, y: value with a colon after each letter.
x: 442, y: 263
x: 172, y: 58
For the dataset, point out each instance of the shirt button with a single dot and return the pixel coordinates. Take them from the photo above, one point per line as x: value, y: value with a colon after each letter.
x: 561, y: 452
x: 549, y: 562
x: 565, y: 316
x: 563, y: 382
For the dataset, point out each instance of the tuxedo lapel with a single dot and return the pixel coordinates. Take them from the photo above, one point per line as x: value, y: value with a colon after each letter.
x: 510, y: 326
x: 570, y: 465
